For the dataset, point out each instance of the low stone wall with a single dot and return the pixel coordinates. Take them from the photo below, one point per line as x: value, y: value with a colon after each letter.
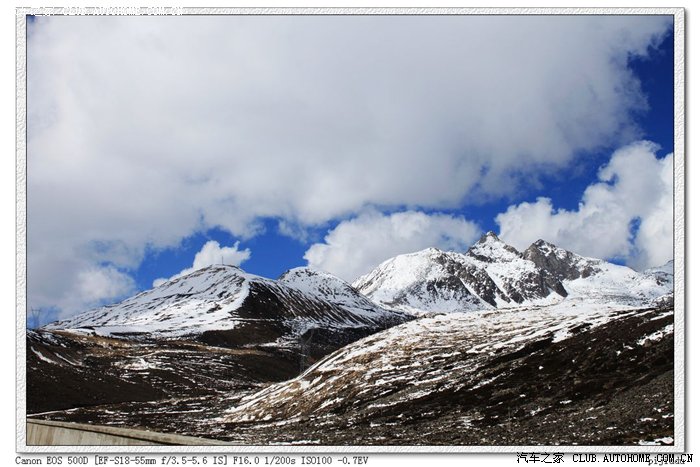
x: 50, y: 433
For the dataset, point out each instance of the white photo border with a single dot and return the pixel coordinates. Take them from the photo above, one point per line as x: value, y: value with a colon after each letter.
x: 679, y: 226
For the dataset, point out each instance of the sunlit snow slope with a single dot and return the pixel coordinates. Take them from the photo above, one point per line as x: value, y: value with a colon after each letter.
x: 572, y: 372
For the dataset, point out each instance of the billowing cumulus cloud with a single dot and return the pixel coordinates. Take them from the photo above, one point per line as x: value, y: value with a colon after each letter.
x: 212, y: 253
x: 144, y: 130
x: 96, y: 283
x: 90, y: 285
x: 627, y: 215
x: 356, y: 246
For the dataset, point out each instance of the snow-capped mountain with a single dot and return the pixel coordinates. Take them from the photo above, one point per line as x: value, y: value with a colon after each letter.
x: 217, y: 330
x: 493, y: 274
x: 225, y: 298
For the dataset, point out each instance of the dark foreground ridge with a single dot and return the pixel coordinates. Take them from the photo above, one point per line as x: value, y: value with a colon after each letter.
x: 66, y: 371
x: 604, y: 382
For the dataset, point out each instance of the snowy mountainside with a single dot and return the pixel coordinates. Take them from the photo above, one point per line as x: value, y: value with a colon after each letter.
x: 560, y: 262
x: 223, y: 297
x: 425, y: 281
x: 471, y: 376
x: 217, y: 330
x: 326, y: 286
x: 662, y: 274
x: 493, y: 274
x: 570, y: 373
x: 201, y: 300
x: 415, y: 353
x: 597, y: 280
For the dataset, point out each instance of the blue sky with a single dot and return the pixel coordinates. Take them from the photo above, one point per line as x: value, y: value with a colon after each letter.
x: 157, y: 136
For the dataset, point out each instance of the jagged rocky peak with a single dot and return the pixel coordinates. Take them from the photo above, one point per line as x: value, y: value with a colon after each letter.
x: 520, y: 280
x: 490, y: 248
x: 489, y: 236
x: 493, y: 274
x: 427, y: 280
x: 563, y: 264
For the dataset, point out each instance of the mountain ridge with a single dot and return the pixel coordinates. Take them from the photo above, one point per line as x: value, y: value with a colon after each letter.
x: 490, y: 275
x: 493, y: 274
x: 223, y: 297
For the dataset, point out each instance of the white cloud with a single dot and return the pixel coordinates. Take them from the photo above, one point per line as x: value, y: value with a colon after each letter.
x: 94, y: 284
x: 142, y: 131
x: 634, y: 187
x: 212, y: 253
x: 91, y: 287
x: 354, y: 247
x: 293, y: 230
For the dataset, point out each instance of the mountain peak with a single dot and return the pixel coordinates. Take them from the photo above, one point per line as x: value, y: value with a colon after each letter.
x: 309, y: 279
x: 489, y: 236
x: 223, y: 297
x: 490, y: 248
x: 562, y: 263
x: 493, y: 274
x: 301, y: 271
x: 211, y: 274
x: 490, y: 274
x: 541, y: 242
x: 429, y: 252
x: 543, y: 247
